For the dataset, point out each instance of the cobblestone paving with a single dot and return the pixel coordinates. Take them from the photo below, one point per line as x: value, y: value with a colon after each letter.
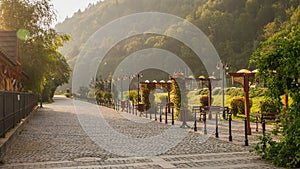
x: 53, y: 138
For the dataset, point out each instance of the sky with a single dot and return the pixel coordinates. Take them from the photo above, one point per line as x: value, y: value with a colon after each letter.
x: 66, y: 8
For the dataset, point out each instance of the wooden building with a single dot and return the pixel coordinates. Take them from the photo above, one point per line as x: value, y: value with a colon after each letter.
x: 10, y: 67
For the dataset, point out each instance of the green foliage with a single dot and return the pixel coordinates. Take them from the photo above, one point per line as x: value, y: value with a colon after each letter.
x: 285, y: 152
x: 235, y: 28
x: 257, y: 95
x: 176, y: 99
x: 234, y: 92
x: 258, y: 92
x: 270, y: 106
x: 46, y: 67
x: 204, y: 100
x: 103, y: 97
x: 145, y: 98
x: 278, y: 62
x: 102, y: 90
x: 203, y: 92
x: 237, y: 105
x: 83, y: 92
x: 132, y: 95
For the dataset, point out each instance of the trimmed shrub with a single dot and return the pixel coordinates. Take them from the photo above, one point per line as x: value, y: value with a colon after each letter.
x: 203, y: 92
x: 237, y: 105
x: 257, y: 92
x: 145, y: 98
x: 234, y: 92
x: 204, y: 100
x: 269, y: 106
x: 132, y: 95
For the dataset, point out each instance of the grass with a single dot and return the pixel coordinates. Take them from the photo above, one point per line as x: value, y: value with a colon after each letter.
x: 242, y: 117
x: 194, y: 100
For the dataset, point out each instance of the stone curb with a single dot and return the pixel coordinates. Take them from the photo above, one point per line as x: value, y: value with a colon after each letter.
x: 12, y: 134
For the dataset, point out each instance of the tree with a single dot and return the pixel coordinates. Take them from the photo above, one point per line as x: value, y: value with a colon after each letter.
x: 278, y: 62
x: 39, y: 57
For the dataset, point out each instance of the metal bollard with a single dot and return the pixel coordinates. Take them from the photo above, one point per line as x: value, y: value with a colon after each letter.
x: 160, y: 112
x: 204, y: 121
x: 195, y: 120
x: 217, y: 128
x: 41, y: 102
x: 256, y: 122
x: 155, y: 107
x: 246, y: 134
x: 263, y: 123
x: 230, y: 133
x: 146, y: 114
x: 166, y: 114
x: 172, y: 115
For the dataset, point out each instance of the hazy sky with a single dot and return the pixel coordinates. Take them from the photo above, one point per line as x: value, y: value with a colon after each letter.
x: 66, y: 8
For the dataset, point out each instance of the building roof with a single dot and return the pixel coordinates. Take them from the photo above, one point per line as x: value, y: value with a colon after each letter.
x: 5, y: 56
x: 9, y: 47
x: 9, y: 42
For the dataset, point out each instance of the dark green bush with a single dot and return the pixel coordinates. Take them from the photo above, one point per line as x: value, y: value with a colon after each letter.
x: 257, y: 92
x: 145, y: 98
x: 234, y: 92
x: 283, y: 153
x: 269, y: 106
x: 204, y: 100
x: 203, y: 92
x: 132, y: 95
x: 237, y: 105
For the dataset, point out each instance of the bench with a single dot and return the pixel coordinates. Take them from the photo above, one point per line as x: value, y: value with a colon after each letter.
x: 266, y: 117
x: 272, y: 117
x: 201, y: 110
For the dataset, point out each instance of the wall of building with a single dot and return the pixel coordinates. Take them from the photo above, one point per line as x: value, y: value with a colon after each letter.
x: 10, y: 67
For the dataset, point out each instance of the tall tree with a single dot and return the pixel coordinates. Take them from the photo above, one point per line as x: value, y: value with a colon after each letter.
x: 38, y: 53
x: 278, y: 62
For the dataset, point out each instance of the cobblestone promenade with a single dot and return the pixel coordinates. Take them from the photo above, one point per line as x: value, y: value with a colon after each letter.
x: 55, y: 138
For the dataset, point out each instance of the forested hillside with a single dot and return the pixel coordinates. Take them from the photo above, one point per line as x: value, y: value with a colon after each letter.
x: 235, y: 27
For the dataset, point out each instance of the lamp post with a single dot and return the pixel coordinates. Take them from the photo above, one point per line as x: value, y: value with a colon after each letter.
x: 223, y: 68
x: 139, y: 75
x: 208, y: 82
x: 242, y: 77
x: 128, y: 104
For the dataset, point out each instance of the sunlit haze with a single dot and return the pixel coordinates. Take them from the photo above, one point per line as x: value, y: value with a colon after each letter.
x: 66, y: 8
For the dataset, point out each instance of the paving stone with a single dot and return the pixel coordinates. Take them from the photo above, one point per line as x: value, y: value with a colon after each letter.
x: 55, y: 138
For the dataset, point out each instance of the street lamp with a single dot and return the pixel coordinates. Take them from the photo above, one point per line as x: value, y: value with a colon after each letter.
x: 242, y: 77
x: 223, y: 68
x: 139, y: 75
